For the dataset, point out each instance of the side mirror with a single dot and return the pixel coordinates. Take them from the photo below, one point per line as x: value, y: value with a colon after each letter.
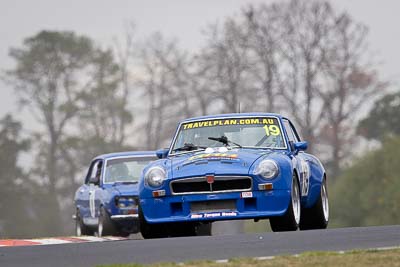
x: 300, y: 146
x: 162, y: 153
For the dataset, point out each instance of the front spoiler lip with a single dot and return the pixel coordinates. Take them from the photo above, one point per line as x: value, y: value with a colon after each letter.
x: 239, y: 216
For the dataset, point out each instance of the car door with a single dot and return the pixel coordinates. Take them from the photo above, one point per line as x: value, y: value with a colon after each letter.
x: 82, y: 194
x: 90, y: 193
x: 299, y: 159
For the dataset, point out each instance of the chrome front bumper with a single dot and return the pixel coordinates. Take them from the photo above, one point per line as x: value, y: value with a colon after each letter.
x: 124, y: 217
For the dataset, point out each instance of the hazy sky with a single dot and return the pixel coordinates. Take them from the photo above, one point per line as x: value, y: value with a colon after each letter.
x: 103, y: 20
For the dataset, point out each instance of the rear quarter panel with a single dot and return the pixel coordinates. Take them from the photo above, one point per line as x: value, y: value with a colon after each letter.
x: 317, y: 173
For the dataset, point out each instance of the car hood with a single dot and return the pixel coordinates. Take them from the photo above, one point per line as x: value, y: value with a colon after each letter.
x: 233, y: 162
x: 125, y: 189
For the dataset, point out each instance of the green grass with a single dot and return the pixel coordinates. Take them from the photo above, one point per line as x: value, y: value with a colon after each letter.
x: 349, y: 259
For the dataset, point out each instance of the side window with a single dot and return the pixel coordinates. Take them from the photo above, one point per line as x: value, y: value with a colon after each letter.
x: 94, y: 172
x: 289, y: 131
x: 295, y: 133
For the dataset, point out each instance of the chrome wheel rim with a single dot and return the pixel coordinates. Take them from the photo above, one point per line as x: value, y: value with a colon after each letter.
x: 100, y: 228
x: 325, y: 201
x: 78, y: 228
x: 296, y: 201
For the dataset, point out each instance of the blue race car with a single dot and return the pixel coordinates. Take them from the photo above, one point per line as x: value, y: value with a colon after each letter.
x: 230, y: 167
x: 107, y: 203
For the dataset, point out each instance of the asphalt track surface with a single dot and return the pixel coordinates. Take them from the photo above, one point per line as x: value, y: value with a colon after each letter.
x: 203, y: 247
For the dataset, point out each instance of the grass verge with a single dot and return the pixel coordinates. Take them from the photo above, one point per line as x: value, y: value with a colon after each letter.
x: 390, y: 257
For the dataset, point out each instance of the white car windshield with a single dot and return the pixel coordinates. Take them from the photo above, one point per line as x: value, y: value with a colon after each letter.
x: 125, y: 170
x: 257, y: 132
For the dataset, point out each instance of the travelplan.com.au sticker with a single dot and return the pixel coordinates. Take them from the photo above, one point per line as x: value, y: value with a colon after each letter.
x: 213, y: 214
x: 233, y: 121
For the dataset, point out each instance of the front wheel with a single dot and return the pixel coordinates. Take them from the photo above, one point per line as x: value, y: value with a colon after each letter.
x: 80, y: 228
x: 316, y: 217
x: 151, y: 230
x: 291, y: 219
x: 106, y: 225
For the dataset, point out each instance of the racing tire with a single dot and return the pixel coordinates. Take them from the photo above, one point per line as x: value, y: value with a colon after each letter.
x: 291, y: 219
x: 317, y: 216
x: 182, y: 229
x: 150, y: 231
x: 106, y: 225
x: 80, y: 228
x: 204, y: 229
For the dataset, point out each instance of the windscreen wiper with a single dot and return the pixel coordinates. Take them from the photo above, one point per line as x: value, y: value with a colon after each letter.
x: 223, y: 139
x: 125, y: 182
x: 188, y: 147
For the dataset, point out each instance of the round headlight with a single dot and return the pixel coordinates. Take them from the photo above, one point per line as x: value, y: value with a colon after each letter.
x: 267, y: 169
x: 155, y: 176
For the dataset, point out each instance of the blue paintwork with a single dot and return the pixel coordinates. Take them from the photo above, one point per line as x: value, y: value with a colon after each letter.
x: 262, y: 204
x: 162, y: 153
x: 300, y: 146
x: 105, y: 194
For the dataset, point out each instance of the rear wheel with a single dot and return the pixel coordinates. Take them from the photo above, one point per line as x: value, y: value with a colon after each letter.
x: 80, y: 228
x: 291, y: 219
x: 316, y: 217
x: 106, y: 225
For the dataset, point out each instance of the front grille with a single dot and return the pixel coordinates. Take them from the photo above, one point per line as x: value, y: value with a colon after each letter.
x: 213, y: 205
x: 199, y: 185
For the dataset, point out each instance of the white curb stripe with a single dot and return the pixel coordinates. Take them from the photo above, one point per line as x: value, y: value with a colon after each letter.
x: 115, y: 238
x: 92, y: 238
x: 58, y: 240
x: 49, y: 241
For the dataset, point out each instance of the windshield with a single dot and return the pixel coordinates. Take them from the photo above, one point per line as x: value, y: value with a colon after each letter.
x: 263, y: 132
x: 125, y: 169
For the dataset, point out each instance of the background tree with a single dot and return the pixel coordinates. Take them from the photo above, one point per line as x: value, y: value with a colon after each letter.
x: 71, y: 87
x: 224, y: 64
x: 165, y: 91
x: 263, y: 41
x: 383, y: 119
x: 357, y: 202
x: 15, y: 187
x: 104, y: 114
x: 48, y: 79
x: 349, y: 82
x: 101, y: 125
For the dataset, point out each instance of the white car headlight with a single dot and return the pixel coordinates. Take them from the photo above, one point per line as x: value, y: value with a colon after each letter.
x: 267, y: 169
x: 155, y: 176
